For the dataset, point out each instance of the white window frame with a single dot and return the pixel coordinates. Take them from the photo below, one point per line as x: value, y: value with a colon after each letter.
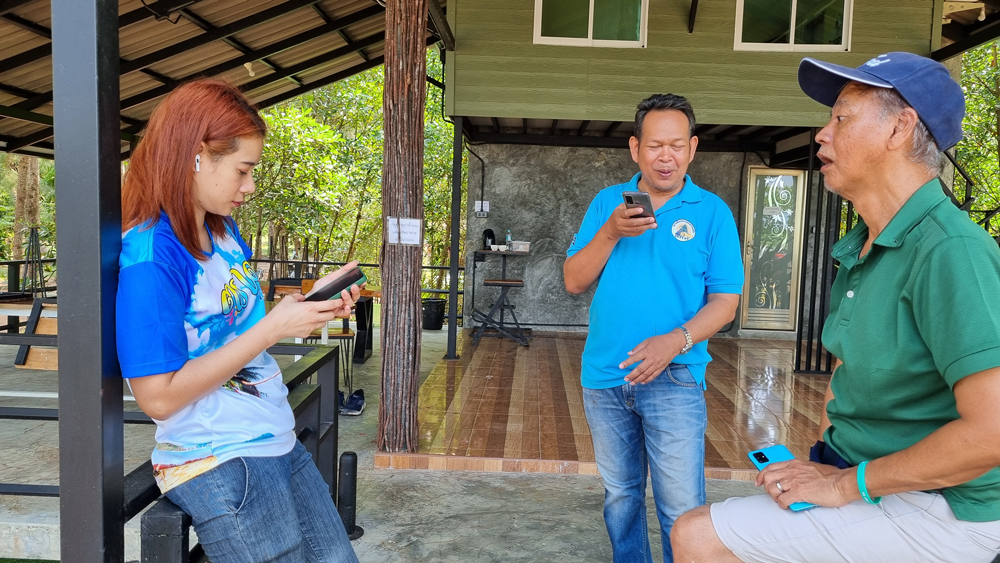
x: 539, y: 39
x: 739, y: 45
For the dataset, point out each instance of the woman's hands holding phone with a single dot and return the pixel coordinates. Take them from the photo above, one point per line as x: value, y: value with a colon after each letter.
x: 294, y: 317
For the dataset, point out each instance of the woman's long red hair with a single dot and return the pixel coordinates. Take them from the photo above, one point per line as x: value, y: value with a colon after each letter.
x: 160, y: 175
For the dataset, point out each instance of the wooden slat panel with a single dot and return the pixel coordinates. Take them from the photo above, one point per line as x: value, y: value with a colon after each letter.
x: 41, y: 358
x: 46, y: 326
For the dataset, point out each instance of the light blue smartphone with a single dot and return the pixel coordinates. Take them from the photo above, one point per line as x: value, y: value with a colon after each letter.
x: 773, y: 454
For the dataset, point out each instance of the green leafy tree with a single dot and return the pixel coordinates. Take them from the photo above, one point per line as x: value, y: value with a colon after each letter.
x: 979, y: 151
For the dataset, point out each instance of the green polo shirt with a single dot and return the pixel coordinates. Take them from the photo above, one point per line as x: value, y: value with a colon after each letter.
x: 920, y: 311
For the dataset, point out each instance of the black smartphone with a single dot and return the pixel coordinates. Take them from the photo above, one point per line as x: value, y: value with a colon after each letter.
x: 332, y: 290
x: 640, y: 200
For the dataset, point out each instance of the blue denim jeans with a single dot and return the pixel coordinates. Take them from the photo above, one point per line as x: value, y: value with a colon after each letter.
x: 257, y: 509
x: 662, y: 424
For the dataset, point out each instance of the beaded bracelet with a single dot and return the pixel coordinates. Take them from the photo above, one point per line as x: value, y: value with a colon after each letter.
x: 861, y: 485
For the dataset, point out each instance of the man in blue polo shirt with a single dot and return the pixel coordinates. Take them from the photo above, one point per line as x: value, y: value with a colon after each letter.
x: 665, y: 284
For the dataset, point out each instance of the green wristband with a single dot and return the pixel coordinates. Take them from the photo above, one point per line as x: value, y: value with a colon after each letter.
x: 861, y: 485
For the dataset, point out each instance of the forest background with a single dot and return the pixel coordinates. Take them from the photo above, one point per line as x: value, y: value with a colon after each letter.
x: 318, y: 187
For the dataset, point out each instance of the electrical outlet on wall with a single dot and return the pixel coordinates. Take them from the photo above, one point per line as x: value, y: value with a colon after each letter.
x: 482, y: 208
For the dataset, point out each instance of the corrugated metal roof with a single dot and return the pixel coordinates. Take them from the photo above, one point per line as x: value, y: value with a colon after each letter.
x: 293, y: 46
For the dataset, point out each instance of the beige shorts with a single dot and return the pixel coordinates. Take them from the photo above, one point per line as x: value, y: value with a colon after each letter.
x: 908, y: 527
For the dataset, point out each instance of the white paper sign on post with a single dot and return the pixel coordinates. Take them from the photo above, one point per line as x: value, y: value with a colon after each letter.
x: 404, y: 231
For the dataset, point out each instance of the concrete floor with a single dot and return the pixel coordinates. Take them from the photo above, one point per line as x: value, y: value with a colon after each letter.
x: 408, y: 515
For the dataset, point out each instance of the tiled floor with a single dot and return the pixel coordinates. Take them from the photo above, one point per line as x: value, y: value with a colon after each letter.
x: 503, y: 407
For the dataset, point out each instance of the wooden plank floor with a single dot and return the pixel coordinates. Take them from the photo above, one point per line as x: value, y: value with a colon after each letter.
x: 503, y: 407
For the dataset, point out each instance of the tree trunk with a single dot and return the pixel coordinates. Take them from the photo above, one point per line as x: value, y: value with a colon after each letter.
x: 402, y: 196
x: 25, y: 202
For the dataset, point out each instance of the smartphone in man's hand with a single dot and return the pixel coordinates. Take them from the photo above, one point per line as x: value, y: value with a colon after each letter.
x: 773, y: 454
x: 640, y: 200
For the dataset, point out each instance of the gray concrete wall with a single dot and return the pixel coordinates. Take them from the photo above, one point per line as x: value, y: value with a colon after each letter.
x: 541, y: 194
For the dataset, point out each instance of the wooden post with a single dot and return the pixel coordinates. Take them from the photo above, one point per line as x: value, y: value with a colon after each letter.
x: 402, y: 197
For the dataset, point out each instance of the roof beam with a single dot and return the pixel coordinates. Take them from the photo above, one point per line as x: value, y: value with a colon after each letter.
x: 612, y: 128
x: 232, y: 42
x: 19, y: 92
x: 348, y: 20
x: 989, y: 31
x: 218, y: 33
x: 29, y: 56
x: 953, y: 31
x: 343, y: 35
x: 29, y: 25
x: 315, y: 61
x: 264, y: 51
x: 582, y: 129
x: 727, y: 131
x: 44, y: 134
x: 440, y: 24
x: 377, y: 61
x: 25, y: 115
x: 702, y: 129
x: 496, y: 124
x: 761, y: 133
x: 27, y: 140
x: 149, y: 11
x: 8, y: 6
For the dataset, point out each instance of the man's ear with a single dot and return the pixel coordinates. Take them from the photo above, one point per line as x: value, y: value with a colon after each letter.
x: 633, y: 147
x: 902, y: 131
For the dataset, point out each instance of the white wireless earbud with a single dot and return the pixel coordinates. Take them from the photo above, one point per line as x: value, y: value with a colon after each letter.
x: 197, y: 163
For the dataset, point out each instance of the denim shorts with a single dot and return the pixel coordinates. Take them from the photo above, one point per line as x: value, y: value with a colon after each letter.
x: 265, y: 509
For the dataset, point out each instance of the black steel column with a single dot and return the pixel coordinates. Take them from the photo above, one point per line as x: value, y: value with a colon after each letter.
x: 13, y: 286
x: 456, y: 213
x: 88, y: 196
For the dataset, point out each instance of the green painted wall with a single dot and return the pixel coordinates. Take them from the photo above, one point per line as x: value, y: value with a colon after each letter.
x: 496, y: 71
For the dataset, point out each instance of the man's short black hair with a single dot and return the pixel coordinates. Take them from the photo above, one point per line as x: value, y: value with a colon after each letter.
x: 659, y: 102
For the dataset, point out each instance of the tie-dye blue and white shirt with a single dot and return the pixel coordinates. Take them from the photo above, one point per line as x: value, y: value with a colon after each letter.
x: 173, y: 308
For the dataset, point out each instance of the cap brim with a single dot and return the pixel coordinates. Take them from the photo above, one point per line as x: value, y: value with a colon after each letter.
x: 823, y: 81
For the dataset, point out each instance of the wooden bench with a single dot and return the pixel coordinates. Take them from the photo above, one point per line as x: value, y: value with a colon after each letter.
x: 42, y: 321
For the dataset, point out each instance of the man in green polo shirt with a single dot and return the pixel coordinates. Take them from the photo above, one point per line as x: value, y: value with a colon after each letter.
x: 907, y: 464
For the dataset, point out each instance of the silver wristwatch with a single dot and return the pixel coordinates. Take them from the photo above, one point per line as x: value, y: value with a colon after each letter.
x: 688, y: 343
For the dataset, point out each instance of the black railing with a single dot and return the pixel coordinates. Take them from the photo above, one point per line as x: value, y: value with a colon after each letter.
x: 309, y: 268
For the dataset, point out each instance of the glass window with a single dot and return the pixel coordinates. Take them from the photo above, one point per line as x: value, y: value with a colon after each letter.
x: 600, y: 23
x: 617, y: 20
x: 565, y: 18
x: 819, y: 22
x: 767, y: 25
x: 767, y: 21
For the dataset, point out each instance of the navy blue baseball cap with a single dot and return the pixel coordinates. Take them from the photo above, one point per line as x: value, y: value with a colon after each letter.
x: 925, y: 84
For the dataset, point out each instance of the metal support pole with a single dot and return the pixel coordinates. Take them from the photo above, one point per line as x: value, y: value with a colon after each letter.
x: 88, y: 150
x: 347, y: 495
x: 13, y: 286
x: 456, y: 210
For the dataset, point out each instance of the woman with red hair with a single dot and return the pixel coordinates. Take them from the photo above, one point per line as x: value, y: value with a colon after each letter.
x: 192, y: 338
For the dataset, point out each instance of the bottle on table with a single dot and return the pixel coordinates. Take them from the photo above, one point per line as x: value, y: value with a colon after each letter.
x: 508, y: 239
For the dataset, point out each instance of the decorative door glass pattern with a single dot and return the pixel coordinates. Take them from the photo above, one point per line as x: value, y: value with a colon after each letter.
x: 773, y: 247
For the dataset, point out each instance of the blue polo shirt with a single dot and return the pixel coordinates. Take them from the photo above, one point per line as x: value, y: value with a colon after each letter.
x: 659, y: 280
